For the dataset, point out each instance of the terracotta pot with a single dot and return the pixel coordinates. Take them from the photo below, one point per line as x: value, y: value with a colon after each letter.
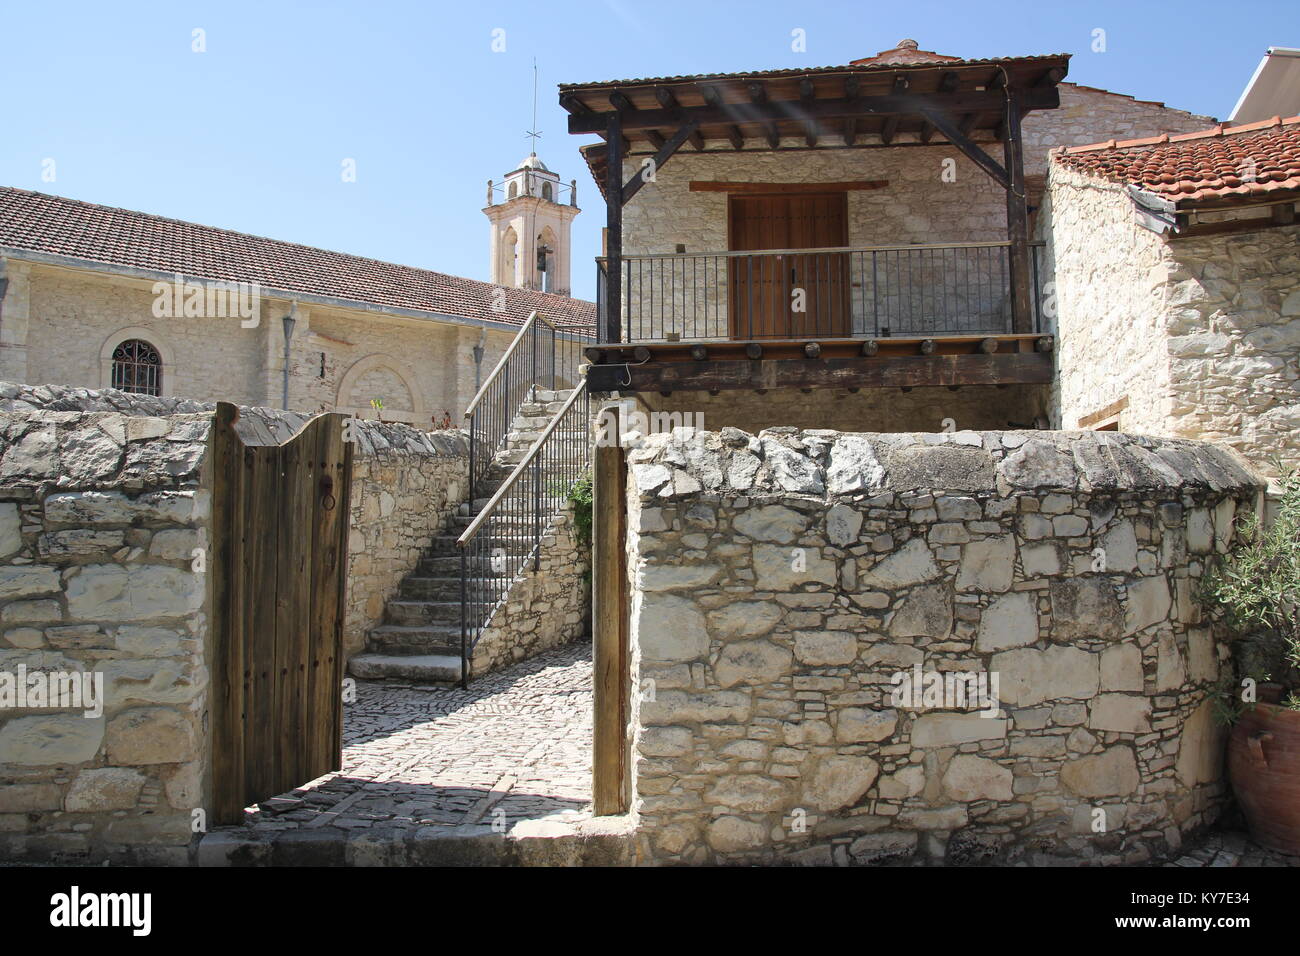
x: 1264, y: 767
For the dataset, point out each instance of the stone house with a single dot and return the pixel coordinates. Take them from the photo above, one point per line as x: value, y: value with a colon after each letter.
x: 917, y: 220
x: 1177, y: 286
x: 98, y: 297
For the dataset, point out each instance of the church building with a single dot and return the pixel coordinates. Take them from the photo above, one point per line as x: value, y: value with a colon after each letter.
x: 99, y: 297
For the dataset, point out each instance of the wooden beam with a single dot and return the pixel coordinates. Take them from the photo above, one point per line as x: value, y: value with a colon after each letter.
x: 727, y: 186
x: 613, y: 229
x: 716, y: 113
x: 665, y: 153
x: 666, y: 98
x: 773, y: 135
x: 735, y: 137
x: 1022, y: 315
x: 945, y: 124
x: 850, y: 130
x: 894, y: 372
x: 757, y: 91
x: 618, y: 99
x: 611, y: 667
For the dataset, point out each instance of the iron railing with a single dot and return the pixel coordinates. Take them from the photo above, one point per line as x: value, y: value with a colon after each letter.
x: 542, y: 355
x: 875, y: 292
x: 496, y: 548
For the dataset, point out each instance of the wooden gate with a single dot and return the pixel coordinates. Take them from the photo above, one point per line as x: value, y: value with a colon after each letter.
x: 279, y: 564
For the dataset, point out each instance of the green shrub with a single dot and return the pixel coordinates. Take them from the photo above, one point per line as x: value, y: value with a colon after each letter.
x: 1255, y: 591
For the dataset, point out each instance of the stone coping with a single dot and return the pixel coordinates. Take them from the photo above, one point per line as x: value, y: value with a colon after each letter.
x: 257, y: 425
x: 687, y: 462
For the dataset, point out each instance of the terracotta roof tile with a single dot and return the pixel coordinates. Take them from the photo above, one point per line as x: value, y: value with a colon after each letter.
x: 38, y: 222
x: 1254, y: 161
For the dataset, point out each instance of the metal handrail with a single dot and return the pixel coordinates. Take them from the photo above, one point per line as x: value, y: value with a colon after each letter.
x: 473, y: 529
x: 510, y: 350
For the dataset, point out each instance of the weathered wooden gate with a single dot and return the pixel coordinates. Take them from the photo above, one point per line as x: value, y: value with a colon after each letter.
x: 279, y: 562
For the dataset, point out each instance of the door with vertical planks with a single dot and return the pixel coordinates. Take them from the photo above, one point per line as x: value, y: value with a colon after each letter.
x: 279, y: 564
x: 789, y: 295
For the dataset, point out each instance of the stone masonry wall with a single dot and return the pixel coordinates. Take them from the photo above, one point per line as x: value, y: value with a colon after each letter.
x: 1200, y: 336
x: 100, y: 517
x: 782, y: 581
x: 406, y: 483
x: 546, y: 608
x: 871, y: 409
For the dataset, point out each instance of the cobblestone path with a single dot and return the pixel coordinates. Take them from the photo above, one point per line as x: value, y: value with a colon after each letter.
x: 515, y: 745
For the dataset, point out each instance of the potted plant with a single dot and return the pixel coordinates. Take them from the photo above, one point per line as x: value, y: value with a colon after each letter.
x: 1255, y: 591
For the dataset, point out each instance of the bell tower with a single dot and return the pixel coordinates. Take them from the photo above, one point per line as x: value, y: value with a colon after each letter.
x: 530, y: 227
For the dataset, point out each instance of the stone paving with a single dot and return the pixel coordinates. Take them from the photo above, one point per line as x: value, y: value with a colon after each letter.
x: 1227, y: 847
x: 515, y: 745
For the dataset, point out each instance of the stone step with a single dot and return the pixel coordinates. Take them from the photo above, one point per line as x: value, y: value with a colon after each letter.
x: 431, y: 588
x: 415, y: 613
x: 407, y: 639
x: 444, y: 545
x: 439, y: 669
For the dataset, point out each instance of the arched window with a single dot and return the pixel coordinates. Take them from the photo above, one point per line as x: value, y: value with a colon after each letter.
x: 514, y: 189
x: 546, y: 192
x: 137, y: 367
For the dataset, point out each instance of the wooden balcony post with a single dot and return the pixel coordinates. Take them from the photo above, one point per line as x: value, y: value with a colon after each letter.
x: 1022, y: 317
x: 610, y: 327
x: 609, y: 619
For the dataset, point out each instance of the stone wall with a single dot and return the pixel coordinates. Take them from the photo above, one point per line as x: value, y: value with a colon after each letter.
x: 103, y: 524
x: 60, y: 325
x: 871, y: 409
x: 546, y: 607
x: 1198, y: 336
x: 783, y: 583
x: 406, y: 483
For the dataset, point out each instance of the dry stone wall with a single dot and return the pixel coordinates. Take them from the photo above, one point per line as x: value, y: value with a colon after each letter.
x: 546, y: 607
x: 788, y: 587
x: 102, y: 604
x: 406, y: 483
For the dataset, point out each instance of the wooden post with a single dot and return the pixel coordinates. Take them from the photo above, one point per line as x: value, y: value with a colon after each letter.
x: 614, y: 227
x: 609, y: 621
x: 1022, y: 315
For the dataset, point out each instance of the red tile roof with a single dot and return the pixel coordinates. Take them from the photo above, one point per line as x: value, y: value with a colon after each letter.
x: 58, y: 226
x: 1254, y: 161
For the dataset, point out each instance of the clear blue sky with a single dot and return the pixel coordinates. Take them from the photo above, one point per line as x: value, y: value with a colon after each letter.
x: 250, y: 135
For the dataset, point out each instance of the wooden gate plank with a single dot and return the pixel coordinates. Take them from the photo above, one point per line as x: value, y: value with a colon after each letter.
x: 293, y: 584
x: 226, y: 561
x: 261, y: 743
x: 328, y: 533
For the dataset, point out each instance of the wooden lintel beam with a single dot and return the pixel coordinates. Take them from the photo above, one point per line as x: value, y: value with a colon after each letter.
x: 727, y: 186
x: 893, y: 372
x: 945, y: 124
x: 665, y: 153
x: 717, y: 113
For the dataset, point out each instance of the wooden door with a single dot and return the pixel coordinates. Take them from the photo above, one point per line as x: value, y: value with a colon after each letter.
x: 789, y: 295
x: 279, y: 564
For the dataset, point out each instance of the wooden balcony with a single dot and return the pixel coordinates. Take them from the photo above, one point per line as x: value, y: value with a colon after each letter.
x: 882, y: 316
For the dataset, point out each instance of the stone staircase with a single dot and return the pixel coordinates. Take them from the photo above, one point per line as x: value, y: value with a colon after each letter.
x: 419, y: 640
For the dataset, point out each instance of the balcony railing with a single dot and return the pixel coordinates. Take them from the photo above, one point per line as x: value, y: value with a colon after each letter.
x: 872, y: 292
